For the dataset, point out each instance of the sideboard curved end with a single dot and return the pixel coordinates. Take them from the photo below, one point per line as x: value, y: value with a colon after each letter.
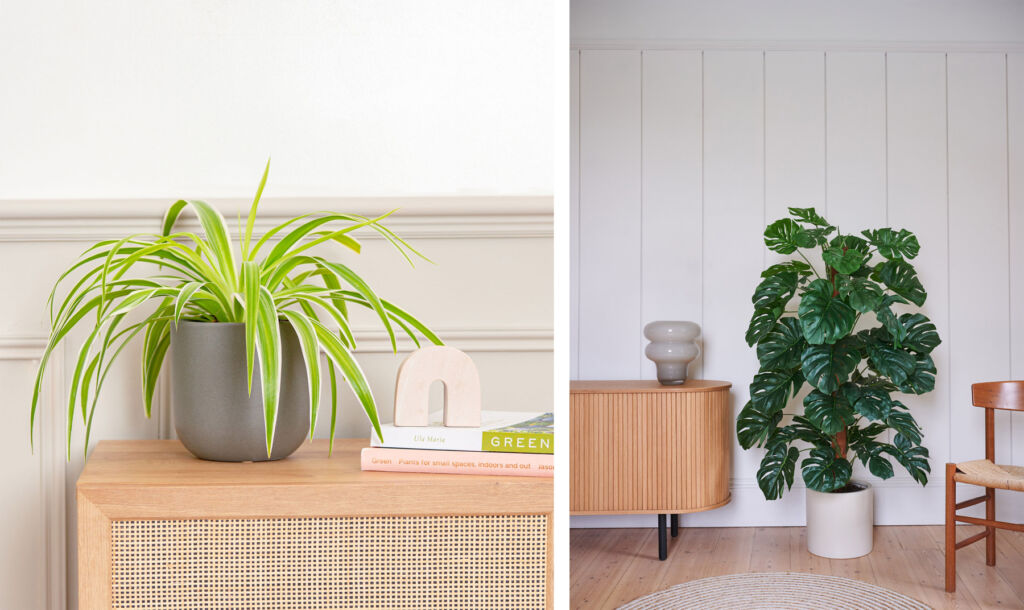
x: 638, y: 447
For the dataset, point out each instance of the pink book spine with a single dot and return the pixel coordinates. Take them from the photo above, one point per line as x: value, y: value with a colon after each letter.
x: 457, y: 462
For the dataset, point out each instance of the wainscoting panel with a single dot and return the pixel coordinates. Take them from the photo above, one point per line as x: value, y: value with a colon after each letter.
x: 873, y: 136
x: 671, y: 242
x: 1015, y: 151
x: 916, y: 172
x: 610, y: 274
x: 855, y: 140
x: 979, y: 297
x: 733, y: 214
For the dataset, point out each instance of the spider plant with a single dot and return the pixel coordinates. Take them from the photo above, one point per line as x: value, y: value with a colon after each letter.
x: 270, y: 280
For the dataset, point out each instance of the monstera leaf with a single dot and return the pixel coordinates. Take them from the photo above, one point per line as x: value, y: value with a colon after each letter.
x: 920, y: 335
x: 762, y: 322
x: 824, y: 319
x: 824, y: 471
x: 861, y: 293
x: 893, y: 244
x: 851, y: 242
x: 830, y: 413
x: 770, y: 390
x: 922, y: 379
x: 754, y: 426
x: 901, y: 278
x: 785, y: 236
x: 826, y: 367
x: 783, y: 346
x: 810, y: 216
x: 776, y: 472
x: 895, y: 364
x: 844, y: 261
x: 889, y: 321
x: 869, y: 402
x: 911, y: 456
x: 775, y: 290
x: 903, y: 423
x: 799, y: 267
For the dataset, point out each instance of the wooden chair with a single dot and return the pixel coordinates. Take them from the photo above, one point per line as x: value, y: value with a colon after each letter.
x: 983, y: 473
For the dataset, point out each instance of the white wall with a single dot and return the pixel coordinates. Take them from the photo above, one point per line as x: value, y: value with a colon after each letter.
x: 687, y: 148
x: 108, y: 110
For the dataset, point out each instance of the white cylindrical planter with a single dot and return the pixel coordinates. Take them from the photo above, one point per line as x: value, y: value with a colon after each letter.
x: 840, y: 524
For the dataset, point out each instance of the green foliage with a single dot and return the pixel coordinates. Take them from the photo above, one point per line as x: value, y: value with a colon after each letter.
x: 849, y: 412
x: 199, y: 278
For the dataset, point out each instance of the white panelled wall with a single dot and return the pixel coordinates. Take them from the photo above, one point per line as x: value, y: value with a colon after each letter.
x: 682, y: 153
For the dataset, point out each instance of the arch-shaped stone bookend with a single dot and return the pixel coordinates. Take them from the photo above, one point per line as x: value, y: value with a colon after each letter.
x: 452, y: 367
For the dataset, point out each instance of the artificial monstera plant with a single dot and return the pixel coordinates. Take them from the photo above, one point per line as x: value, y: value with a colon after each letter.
x: 145, y: 284
x: 853, y: 369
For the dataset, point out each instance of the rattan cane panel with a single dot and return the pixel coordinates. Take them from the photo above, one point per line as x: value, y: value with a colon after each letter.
x: 350, y: 562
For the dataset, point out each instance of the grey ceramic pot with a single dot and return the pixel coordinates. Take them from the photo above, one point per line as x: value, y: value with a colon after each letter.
x: 214, y: 415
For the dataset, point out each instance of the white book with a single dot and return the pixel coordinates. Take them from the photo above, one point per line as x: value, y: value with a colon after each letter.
x: 501, y: 431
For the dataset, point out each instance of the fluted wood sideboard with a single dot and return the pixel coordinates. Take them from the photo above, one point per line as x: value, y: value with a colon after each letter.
x: 641, y: 447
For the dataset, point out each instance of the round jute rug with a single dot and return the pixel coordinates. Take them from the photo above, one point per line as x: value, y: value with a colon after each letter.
x: 782, y: 590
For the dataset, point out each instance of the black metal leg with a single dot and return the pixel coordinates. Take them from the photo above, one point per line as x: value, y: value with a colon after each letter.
x: 662, y: 539
x: 675, y: 525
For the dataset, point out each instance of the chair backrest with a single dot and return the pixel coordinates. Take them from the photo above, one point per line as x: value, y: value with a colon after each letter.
x: 996, y: 395
x: 999, y: 395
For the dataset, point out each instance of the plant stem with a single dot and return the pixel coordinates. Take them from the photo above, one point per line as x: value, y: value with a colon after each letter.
x: 809, y: 264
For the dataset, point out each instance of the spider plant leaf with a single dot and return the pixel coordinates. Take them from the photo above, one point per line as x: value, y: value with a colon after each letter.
x: 412, y: 321
x: 187, y: 291
x: 251, y: 220
x: 216, y: 230
x: 268, y: 341
x: 334, y: 404
x: 311, y: 355
x: 353, y: 279
x: 345, y: 332
x: 251, y: 299
x: 349, y: 242
x: 353, y: 373
x: 270, y: 234
x: 154, y: 347
x: 288, y: 247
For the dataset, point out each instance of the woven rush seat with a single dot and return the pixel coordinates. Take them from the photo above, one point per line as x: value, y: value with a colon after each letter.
x: 987, y: 474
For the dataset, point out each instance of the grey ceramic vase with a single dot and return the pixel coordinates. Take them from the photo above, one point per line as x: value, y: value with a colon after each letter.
x: 214, y: 415
x: 672, y: 347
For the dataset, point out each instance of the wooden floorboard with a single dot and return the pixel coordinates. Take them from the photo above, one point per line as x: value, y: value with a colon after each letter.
x: 610, y: 567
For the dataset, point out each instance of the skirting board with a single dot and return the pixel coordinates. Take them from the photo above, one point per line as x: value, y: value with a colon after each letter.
x: 893, y: 506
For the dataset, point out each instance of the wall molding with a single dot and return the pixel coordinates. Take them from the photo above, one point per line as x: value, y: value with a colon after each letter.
x: 371, y: 341
x: 641, y: 44
x: 53, y: 467
x: 83, y: 220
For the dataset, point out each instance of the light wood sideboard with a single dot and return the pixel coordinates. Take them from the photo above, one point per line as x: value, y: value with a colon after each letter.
x: 158, y: 528
x: 642, y: 447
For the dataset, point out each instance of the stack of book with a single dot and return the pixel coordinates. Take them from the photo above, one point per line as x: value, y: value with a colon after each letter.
x: 506, y: 443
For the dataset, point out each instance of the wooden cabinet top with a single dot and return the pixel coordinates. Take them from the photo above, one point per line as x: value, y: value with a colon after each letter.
x: 631, y: 387
x: 162, y: 479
